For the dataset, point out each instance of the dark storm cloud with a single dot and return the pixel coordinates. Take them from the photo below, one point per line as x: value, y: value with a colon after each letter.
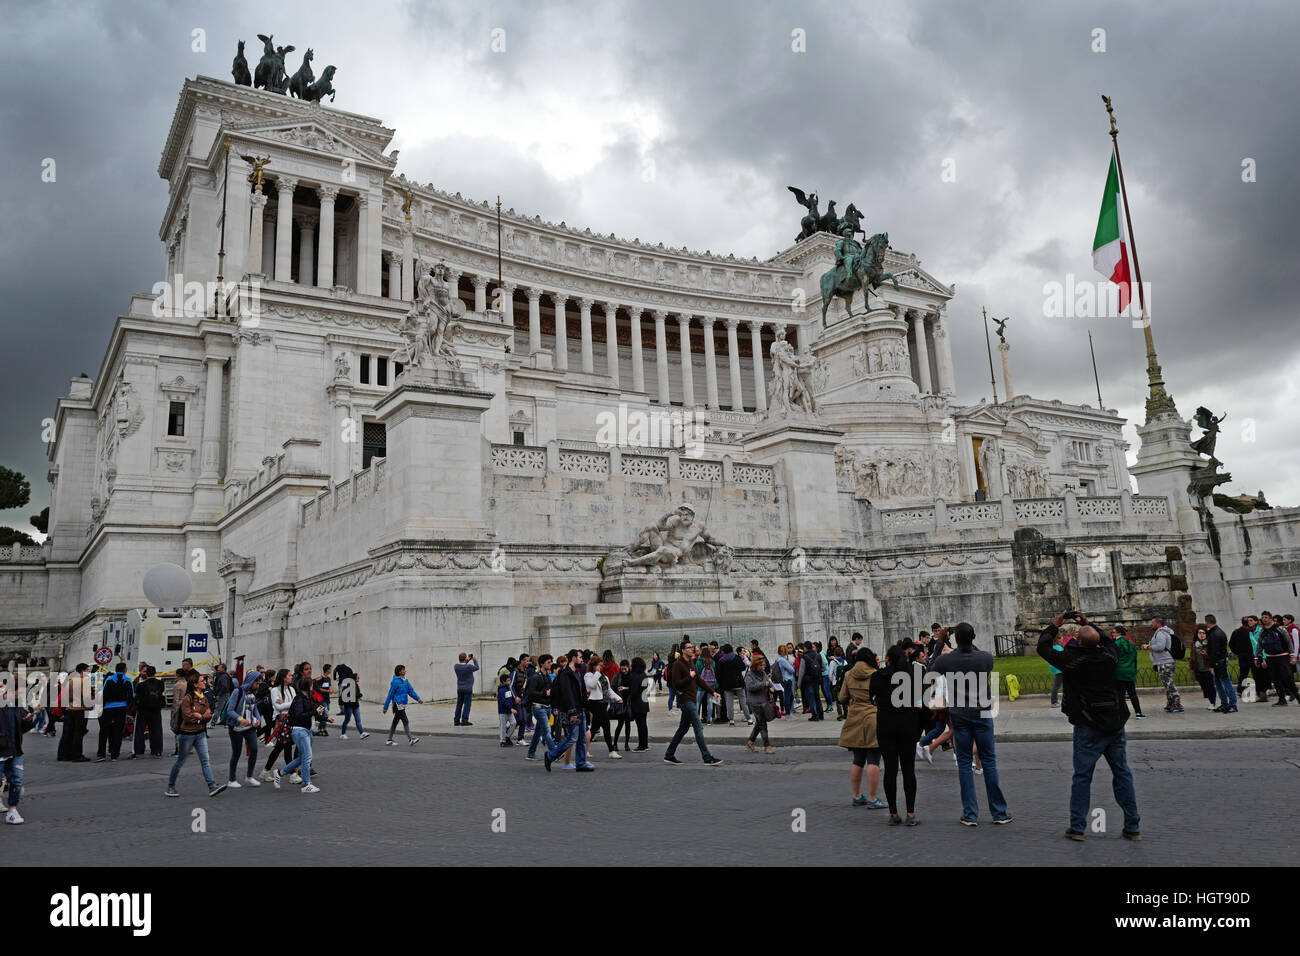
x: 882, y: 97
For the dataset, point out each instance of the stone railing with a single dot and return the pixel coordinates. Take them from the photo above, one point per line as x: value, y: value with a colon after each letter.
x: 362, y: 486
x: 1070, y: 513
x: 18, y: 553
x: 591, y: 462
x: 240, y: 490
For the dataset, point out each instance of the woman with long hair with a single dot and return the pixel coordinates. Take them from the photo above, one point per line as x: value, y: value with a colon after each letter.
x: 278, y: 736
x: 703, y: 699
x: 898, y: 727
x: 657, y: 671
x: 635, y: 701
x: 757, y: 684
x: 622, y: 684
x: 599, y: 693
x: 858, y: 735
x: 195, y: 713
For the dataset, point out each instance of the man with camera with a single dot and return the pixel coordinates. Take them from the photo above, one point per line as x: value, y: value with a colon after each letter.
x: 1094, y: 703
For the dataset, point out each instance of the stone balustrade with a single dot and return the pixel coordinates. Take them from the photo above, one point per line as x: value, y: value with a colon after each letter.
x: 361, y: 486
x: 589, y: 461
x: 1073, y: 513
x: 22, y: 554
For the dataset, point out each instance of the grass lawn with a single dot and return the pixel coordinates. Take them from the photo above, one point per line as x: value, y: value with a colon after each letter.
x: 1036, y: 678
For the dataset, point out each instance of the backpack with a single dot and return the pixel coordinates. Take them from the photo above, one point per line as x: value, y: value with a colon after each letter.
x: 1176, y: 648
x: 1274, y: 642
x: 150, y: 695
x: 707, y: 675
x: 812, y: 667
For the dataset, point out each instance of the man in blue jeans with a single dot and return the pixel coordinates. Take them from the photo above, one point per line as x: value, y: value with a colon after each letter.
x: 567, y: 699
x: 1094, y: 702
x: 538, y: 691
x: 970, y: 702
x: 686, y: 680
x: 465, y: 669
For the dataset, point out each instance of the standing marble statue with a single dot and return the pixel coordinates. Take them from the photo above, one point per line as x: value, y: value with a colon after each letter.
x: 791, y: 391
x: 990, y: 467
x: 426, y: 327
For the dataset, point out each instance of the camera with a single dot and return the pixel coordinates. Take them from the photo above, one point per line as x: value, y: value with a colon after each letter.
x: 1071, y: 615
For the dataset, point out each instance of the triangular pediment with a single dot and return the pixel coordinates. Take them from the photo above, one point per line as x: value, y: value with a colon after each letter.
x: 310, y: 135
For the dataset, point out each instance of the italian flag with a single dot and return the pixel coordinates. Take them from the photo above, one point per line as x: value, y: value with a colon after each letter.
x: 1109, y: 251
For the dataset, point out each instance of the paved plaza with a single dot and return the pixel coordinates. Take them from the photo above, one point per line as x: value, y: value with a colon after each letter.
x: 437, y: 802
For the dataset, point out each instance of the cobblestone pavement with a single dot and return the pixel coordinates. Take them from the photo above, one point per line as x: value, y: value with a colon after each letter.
x: 437, y: 803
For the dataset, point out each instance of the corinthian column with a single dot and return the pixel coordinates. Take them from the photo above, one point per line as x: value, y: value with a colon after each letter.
x: 943, y: 351
x: 688, y: 373
x: 710, y: 364
x: 306, y: 248
x: 611, y: 340
x: 638, y: 366
x: 756, y: 344
x: 733, y: 359
x: 661, y: 357
x: 394, y: 260
x: 534, y: 320
x: 480, y: 293
x: 325, y: 257
x: 922, y: 350
x: 588, y: 360
x: 284, y: 230
x: 255, y: 230
x: 561, y: 332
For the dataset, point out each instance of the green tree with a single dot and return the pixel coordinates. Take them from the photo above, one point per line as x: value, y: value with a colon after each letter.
x: 41, y: 522
x: 9, y: 536
x: 14, y: 489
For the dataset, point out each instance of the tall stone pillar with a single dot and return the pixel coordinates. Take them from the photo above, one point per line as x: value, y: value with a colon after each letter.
x: 372, y: 227
x: 688, y: 373
x: 534, y: 320
x: 453, y: 284
x: 710, y: 364
x: 480, y: 293
x: 588, y: 360
x: 394, y: 262
x: 306, y: 248
x: 256, y: 229
x: 760, y: 386
x: 269, y: 229
x: 408, y: 260
x: 611, y: 341
x: 508, y: 303
x: 1005, y: 349
x: 238, y: 262
x: 733, y: 360
x: 284, y: 229
x: 561, y: 332
x: 325, y: 256
x: 638, y: 366
x: 922, y: 351
x: 943, y: 353
x: 661, y: 357
x: 210, y: 456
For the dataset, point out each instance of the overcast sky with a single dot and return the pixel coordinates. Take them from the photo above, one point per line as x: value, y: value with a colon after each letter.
x: 712, y: 99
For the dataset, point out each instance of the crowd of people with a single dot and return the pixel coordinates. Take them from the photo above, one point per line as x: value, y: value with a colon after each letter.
x: 928, y: 695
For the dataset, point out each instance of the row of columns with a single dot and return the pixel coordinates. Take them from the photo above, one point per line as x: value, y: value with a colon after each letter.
x: 662, y: 377
x: 921, y: 331
x: 309, y: 251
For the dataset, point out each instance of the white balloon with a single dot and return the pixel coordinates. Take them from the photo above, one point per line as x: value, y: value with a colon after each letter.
x: 167, y: 585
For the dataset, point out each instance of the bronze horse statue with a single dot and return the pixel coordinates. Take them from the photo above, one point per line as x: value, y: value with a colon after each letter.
x: 318, y: 90
x: 808, y: 224
x: 866, y: 273
x: 239, y: 68
x: 303, y: 78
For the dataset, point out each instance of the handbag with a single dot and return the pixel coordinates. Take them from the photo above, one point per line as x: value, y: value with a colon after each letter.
x: 769, y: 710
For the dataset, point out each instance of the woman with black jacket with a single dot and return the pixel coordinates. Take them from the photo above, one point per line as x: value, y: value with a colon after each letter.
x: 898, y: 727
x: 636, y: 709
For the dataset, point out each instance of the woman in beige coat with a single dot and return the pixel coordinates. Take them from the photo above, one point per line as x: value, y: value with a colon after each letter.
x: 859, y: 731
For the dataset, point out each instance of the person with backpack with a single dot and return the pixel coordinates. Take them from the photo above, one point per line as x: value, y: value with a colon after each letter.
x: 731, y: 682
x: 400, y: 693
x: 117, y: 695
x: 810, y: 680
x: 195, y: 715
x: 1165, y: 649
x: 567, y: 703
x: 301, y: 712
x: 1126, y: 668
x: 1094, y: 703
x: 243, y: 720
x: 150, y: 701
x: 349, y: 682
x: 1275, y: 653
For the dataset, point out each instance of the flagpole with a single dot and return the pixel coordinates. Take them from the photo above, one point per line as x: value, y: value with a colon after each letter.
x: 500, y: 284
x: 1159, y: 401
x: 1100, y: 405
x: 221, y: 254
x: 988, y: 345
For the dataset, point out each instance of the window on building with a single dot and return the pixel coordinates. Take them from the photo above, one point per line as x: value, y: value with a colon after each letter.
x: 519, y: 437
x: 364, y: 367
x: 381, y: 370
x: 176, y: 419
x: 174, y: 642
x: 374, y: 442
